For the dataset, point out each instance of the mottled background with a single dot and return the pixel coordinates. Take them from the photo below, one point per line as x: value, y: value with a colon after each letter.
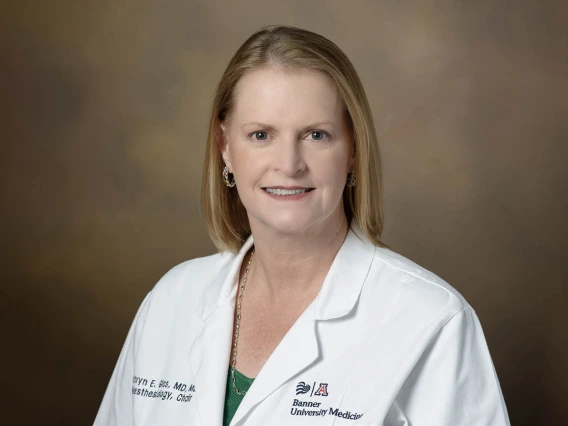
x: 104, y: 108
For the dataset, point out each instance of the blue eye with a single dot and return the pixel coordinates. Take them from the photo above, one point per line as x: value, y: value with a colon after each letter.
x: 318, y: 135
x: 260, y: 135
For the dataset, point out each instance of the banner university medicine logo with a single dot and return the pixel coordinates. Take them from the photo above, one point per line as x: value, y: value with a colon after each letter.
x: 317, y: 408
x: 303, y: 388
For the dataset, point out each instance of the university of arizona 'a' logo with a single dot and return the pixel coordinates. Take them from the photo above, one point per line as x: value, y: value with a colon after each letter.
x: 302, y: 388
x: 322, y: 390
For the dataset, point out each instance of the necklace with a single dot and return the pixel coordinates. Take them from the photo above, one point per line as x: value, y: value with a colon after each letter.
x: 238, y: 324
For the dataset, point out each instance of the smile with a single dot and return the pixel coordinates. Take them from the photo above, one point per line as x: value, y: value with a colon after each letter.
x: 287, y: 192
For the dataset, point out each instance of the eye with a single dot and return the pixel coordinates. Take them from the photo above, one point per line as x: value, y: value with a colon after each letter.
x: 318, y: 135
x: 259, y: 135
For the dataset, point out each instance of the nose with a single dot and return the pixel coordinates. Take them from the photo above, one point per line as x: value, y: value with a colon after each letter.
x: 289, y: 157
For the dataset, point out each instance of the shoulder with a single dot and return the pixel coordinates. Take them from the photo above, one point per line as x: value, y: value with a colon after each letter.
x: 186, y: 283
x: 193, y: 271
x: 418, y: 292
x: 418, y: 277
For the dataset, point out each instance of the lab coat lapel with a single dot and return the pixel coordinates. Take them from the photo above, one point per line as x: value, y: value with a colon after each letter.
x: 209, y: 359
x: 209, y: 355
x: 344, y: 281
x: 297, y: 350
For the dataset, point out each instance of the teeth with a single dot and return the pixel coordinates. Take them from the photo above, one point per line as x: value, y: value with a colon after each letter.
x: 278, y: 191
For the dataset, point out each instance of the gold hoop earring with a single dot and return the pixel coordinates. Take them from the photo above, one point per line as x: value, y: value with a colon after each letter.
x: 351, y: 179
x: 230, y: 183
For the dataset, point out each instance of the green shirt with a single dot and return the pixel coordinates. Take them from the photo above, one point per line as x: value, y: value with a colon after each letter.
x: 233, y: 399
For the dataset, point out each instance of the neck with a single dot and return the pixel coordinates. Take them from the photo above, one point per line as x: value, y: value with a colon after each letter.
x: 295, y: 264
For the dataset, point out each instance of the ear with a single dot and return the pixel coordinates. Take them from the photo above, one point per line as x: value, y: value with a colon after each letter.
x: 222, y: 144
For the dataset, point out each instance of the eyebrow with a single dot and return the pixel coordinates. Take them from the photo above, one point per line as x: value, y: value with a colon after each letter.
x: 256, y: 123
x: 269, y: 127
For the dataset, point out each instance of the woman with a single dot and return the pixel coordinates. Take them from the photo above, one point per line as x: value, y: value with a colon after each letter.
x: 304, y: 317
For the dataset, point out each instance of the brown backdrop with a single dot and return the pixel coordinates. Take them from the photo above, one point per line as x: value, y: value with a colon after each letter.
x: 104, y: 107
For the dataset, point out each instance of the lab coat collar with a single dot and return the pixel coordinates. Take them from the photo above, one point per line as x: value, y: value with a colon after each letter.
x: 213, y: 297
x: 344, y: 281
x: 341, y: 287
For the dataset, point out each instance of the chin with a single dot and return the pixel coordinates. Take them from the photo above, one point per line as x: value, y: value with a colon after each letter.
x: 291, y: 227
x: 291, y: 224
x: 295, y: 221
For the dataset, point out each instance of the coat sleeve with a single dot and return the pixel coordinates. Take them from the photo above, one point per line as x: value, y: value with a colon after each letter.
x: 454, y: 382
x: 117, y: 404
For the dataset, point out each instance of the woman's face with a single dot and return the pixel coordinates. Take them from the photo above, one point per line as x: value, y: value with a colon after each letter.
x: 289, y: 148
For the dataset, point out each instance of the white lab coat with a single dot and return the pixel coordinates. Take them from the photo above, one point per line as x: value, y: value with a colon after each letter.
x: 385, y: 342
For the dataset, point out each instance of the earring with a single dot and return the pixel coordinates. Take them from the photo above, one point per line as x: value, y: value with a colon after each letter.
x: 351, y: 179
x: 229, y: 183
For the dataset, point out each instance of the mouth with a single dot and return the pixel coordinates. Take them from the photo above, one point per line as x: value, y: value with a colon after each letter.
x: 287, y: 191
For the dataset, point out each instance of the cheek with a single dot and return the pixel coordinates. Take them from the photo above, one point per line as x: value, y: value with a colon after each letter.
x: 238, y: 155
x: 334, y: 168
x: 248, y: 168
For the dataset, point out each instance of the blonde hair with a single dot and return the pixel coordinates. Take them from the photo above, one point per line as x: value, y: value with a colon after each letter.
x: 292, y: 48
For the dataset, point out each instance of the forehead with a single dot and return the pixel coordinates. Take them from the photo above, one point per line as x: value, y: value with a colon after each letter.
x: 273, y: 94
